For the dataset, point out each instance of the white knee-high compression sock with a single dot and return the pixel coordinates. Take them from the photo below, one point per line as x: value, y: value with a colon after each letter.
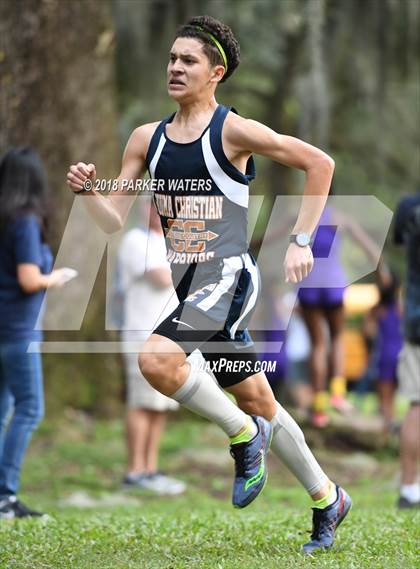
x: 289, y: 445
x: 201, y: 394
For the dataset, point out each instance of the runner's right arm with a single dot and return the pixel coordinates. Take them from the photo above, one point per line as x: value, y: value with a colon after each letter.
x: 110, y: 211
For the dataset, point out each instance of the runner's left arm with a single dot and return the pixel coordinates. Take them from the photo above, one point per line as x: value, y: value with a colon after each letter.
x: 249, y: 136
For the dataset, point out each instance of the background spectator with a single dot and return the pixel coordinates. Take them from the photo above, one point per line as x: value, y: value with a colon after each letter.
x: 323, y: 312
x: 407, y: 233
x: 383, y: 325
x: 25, y: 273
x: 145, y: 280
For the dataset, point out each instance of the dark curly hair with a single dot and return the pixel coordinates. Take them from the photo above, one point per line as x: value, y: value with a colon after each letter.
x: 221, y: 32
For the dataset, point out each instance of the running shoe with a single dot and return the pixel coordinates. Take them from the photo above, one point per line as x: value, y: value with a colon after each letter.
x: 164, y: 485
x: 250, y: 464
x: 404, y: 504
x: 11, y: 508
x: 133, y: 481
x: 156, y: 482
x: 326, y: 521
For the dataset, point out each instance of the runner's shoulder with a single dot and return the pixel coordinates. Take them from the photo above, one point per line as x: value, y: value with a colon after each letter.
x: 240, y: 130
x: 141, y: 136
x: 235, y: 123
x: 144, y: 132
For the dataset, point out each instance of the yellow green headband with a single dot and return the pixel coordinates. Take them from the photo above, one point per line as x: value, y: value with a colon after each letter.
x: 217, y: 44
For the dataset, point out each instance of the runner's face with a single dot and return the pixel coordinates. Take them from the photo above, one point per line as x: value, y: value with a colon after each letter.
x: 189, y: 71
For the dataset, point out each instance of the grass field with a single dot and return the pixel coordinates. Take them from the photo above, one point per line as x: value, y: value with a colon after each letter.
x: 73, y: 472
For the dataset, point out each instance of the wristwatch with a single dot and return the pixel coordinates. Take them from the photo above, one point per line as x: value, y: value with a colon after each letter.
x: 301, y: 239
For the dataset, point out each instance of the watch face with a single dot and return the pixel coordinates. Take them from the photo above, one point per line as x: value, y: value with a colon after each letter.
x: 303, y: 239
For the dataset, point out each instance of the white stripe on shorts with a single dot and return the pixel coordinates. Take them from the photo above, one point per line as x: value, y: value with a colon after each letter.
x: 253, y: 297
x: 231, y: 266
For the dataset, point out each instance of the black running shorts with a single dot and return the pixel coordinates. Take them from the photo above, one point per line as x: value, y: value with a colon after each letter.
x: 217, y: 300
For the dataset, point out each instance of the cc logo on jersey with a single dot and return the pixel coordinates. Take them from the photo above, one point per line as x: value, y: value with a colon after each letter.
x: 189, y: 236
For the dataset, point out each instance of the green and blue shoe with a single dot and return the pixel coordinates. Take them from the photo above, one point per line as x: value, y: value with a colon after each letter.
x: 250, y: 464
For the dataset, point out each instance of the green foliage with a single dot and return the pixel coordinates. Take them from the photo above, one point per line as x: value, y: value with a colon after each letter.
x: 349, y: 68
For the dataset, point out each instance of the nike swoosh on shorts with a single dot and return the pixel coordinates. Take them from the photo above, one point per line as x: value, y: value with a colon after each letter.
x: 184, y: 323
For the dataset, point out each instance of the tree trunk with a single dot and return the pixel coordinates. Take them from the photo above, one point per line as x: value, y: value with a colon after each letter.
x: 57, y: 85
x: 57, y: 94
x: 315, y: 120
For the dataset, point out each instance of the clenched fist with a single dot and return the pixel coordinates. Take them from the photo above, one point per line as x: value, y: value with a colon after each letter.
x: 81, y: 177
x: 298, y: 263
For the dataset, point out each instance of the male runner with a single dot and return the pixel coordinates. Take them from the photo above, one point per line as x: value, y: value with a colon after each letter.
x: 201, y: 157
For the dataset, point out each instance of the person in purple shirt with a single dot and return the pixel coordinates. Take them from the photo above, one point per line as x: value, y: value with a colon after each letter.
x: 323, y: 308
x: 384, y: 323
x: 323, y: 311
x: 25, y: 273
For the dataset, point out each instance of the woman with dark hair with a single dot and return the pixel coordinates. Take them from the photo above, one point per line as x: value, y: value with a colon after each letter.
x: 25, y: 273
x: 200, y: 161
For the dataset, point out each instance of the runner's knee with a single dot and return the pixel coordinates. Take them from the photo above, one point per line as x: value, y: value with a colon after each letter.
x: 158, y: 369
x: 261, y: 404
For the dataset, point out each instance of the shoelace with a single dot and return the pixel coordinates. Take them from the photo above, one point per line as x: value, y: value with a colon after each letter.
x: 244, y: 463
x: 321, y: 526
x: 237, y: 452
